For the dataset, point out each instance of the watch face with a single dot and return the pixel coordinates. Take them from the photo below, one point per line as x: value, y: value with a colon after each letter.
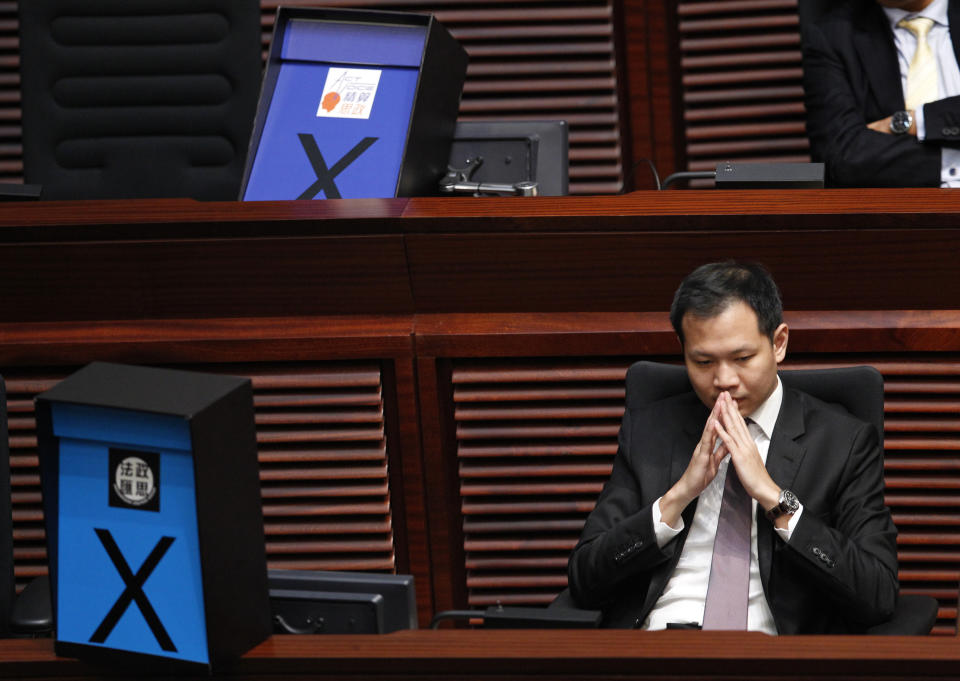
x: 900, y: 122
x: 789, y: 502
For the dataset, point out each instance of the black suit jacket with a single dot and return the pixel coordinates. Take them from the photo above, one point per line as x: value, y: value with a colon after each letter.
x: 852, y: 78
x: 837, y: 574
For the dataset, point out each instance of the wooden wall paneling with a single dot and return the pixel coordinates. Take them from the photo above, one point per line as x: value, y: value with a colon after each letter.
x: 635, y: 67
x: 164, y: 219
x: 742, y: 82
x: 653, y: 78
x: 442, y: 498
x: 411, y: 536
x: 29, y: 537
x: 323, y: 466
x: 11, y: 163
x: 625, y: 104
x: 153, y: 279
x: 540, y: 334
x: 535, y: 441
x: 605, y: 271
x: 923, y: 475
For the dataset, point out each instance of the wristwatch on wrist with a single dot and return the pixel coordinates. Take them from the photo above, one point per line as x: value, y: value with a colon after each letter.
x: 900, y: 122
x: 787, y: 505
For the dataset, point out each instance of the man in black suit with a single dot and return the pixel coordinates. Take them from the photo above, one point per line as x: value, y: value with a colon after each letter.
x: 822, y: 551
x: 856, y: 62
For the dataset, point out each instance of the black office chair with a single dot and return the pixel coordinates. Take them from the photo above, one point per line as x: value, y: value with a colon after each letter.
x: 138, y: 98
x: 858, y: 390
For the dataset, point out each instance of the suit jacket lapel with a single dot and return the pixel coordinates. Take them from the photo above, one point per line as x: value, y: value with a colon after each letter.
x: 783, y: 461
x: 873, y: 40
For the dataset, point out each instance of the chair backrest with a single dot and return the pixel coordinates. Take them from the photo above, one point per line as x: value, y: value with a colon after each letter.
x: 6, y: 521
x: 153, y: 98
x: 858, y: 390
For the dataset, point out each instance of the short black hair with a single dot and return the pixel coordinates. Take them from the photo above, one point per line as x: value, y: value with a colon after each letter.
x: 709, y: 289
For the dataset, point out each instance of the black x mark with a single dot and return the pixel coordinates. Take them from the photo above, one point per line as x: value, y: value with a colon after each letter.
x: 324, y: 174
x: 133, y: 591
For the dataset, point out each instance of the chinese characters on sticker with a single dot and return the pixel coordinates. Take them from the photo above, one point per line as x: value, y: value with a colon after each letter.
x: 134, y: 479
x: 348, y: 93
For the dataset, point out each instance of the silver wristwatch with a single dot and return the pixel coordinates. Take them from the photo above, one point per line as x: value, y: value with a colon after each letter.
x: 900, y: 122
x: 787, y: 505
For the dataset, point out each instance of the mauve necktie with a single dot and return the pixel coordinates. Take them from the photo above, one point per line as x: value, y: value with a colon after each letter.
x: 728, y: 590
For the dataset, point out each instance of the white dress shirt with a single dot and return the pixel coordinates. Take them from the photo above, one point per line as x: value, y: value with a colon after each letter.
x: 684, y: 596
x: 947, y: 69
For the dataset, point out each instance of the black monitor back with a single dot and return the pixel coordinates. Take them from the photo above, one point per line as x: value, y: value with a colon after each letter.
x: 302, y: 611
x: 515, y: 151
x: 342, y: 595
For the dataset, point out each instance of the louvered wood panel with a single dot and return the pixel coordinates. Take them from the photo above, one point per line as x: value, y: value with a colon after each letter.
x: 11, y: 162
x: 535, y: 445
x: 323, y: 465
x: 922, y: 443
x: 551, y: 59
x: 536, y: 438
x: 741, y: 82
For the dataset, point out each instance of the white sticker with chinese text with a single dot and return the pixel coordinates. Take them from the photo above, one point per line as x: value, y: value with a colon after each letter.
x: 348, y: 93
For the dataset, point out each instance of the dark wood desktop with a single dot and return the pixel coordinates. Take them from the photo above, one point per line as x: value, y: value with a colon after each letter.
x: 546, y: 654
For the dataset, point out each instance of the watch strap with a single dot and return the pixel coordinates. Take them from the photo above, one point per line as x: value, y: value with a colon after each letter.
x: 788, y: 503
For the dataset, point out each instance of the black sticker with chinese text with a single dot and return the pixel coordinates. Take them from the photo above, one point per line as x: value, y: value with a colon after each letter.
x: 134, y: 479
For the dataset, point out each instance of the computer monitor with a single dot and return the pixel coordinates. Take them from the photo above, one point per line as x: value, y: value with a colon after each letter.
x: 327, y: 602
x: 514, y: 151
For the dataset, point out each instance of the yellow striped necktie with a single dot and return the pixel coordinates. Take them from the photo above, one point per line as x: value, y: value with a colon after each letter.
x: 922, y: 76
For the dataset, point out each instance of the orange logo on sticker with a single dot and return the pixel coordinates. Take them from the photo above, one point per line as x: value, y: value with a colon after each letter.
x: 330, y: 101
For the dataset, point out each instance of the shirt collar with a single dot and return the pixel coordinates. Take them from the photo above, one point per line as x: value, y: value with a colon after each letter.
x: 766, y: 414
x: 936, y: 10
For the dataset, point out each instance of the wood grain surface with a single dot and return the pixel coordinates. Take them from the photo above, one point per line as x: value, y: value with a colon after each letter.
x: 842, y: 250
x: 539, y: 654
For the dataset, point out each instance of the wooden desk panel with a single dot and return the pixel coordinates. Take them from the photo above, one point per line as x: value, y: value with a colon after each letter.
x: 837, y: 249
x: 267, y: 276
x: 602, y: 271
x: 537, y: 654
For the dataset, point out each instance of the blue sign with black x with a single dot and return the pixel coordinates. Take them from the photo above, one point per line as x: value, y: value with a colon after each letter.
x: 338, y: 113
x: 128, y: 565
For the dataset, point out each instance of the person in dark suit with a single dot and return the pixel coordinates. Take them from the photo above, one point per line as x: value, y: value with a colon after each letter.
x: 856, y: 62
x: 823, y: 544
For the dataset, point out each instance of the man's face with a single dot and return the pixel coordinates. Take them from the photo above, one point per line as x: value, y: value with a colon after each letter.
x: 728, y: 352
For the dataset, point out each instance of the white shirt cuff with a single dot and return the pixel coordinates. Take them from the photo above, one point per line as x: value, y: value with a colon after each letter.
x: 786, y: 533
x: 663, y: 532
x: 921, y: 126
